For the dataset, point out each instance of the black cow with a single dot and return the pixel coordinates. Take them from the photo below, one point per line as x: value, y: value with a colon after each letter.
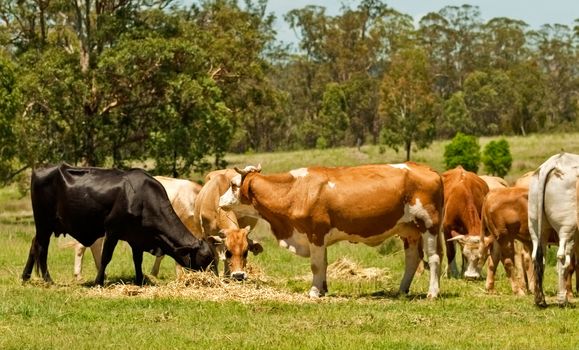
x: 88, y: 203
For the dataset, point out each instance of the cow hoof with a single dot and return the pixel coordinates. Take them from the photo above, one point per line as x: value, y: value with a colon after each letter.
x: 432, y: 295
x: 520, y: 293
x: 315, y: 293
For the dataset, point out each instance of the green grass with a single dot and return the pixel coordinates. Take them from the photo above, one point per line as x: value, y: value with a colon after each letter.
x: 355, y: 315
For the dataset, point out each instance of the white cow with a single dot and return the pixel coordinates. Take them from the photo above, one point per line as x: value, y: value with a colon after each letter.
x: 553, y: 197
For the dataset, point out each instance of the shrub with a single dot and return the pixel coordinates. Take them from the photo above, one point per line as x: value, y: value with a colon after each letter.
x: 497, y: 158
x: 462, y: 150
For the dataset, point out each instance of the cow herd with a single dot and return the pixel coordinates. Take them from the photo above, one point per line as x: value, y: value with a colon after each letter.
x: 309, y: 209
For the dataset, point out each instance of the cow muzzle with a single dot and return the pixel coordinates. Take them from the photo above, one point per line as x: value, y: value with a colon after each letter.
x: 239, y: 275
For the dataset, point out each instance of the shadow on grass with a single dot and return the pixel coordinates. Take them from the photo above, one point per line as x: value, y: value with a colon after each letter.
x: 129, y: 280
x: 394, y: 295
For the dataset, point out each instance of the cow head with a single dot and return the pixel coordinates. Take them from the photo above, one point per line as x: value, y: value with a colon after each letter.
x: 233, y: 246
x: 196, y: 257
x: 472, y: 253
x: 231, y: 197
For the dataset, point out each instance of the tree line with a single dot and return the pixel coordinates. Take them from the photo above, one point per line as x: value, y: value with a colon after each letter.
x: 110, y: 82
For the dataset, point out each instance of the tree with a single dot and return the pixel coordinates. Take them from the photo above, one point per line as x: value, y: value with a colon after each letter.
x: 497, y: 157
x: 463, y: 150
x: 333, y: 118
x: 492, y: 101
x: 9, y: 103
x: 407, y: 105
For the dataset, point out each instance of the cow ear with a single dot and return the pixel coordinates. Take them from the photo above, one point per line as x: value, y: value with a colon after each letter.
x: 247, y: 228
x: 215, y: 240
x: 255, y: 247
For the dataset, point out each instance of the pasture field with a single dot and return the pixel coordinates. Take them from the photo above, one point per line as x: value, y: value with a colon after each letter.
x: 362, y: 310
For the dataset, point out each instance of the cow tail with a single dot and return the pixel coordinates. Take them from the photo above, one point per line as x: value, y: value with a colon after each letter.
x: 539, y: 263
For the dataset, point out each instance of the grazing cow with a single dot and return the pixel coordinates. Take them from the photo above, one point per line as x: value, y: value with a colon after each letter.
x: 88, y: 203
x: 504, y: 219
x: 312, y: 208
x: 198, y: 208
x: 222, y: 227
x: 553, y: 201
x: 464, y: 192
x: 181, y: 193
x: 494, y: 182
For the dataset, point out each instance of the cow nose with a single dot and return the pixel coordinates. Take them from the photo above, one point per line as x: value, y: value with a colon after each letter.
x: 239, y: 275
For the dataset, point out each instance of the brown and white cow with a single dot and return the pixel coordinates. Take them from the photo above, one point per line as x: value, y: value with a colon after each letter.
x: 223, y: 227
x: 504, y: 220
x: 553, y: 203
x: 312, y: 208
x: 464, y: 192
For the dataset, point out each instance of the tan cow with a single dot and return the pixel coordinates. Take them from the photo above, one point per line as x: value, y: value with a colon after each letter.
x: 524, y: 180
x: 504, y: 220
x: 464, y: 192
x: 494, y: 182
x: 310, y: 209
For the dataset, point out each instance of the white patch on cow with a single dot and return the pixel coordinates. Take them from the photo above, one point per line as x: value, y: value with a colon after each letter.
x: 298, y: 244
x: 331, y: 184
x: 414, y: 212
x: 228, y: 199
x: 301, y: 172
x: 236, y: 180
x: 400, y: 166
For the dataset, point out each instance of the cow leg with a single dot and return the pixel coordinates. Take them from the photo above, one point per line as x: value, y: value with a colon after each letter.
x: 430, y: 244
x: 138, y: 261
x: 508, y: 260
x: 451, y: 269
x: 157, y: 265
x: 42, y: 243
x: 37, y: 256
x: 411, y: 260
x: 79, y: 250
x: 493, y: 263
x: 528, y: 266
x: 109, y: 245
x: 27, y: 272
x: 319, y: 266
x: 566, y: 247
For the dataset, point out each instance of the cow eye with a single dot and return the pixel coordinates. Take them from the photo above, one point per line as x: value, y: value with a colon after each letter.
x: 228, y: 254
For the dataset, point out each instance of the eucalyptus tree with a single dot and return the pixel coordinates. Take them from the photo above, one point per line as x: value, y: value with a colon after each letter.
x: 408, y: 106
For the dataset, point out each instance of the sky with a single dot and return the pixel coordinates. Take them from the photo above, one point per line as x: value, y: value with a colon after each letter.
x: 534, y: 12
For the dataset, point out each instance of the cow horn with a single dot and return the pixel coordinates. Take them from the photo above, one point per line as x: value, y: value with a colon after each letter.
x: 215, y: 239
x: 456, y: 238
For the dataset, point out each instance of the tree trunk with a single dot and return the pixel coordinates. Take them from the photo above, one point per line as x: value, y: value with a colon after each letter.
x: 408, y: 147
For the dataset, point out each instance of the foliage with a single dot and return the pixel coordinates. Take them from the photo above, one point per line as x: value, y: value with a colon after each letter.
x: 497, y: 158
x: 463, y: 150
x: 408, y: 104
x: 113, y: 82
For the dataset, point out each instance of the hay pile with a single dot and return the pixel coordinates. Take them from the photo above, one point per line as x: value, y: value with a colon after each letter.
x: 259, y: 287
x: 346, y: 269
x: 207, y: 286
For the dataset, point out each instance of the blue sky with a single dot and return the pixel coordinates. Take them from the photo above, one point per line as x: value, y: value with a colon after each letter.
x: 533, y: 12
